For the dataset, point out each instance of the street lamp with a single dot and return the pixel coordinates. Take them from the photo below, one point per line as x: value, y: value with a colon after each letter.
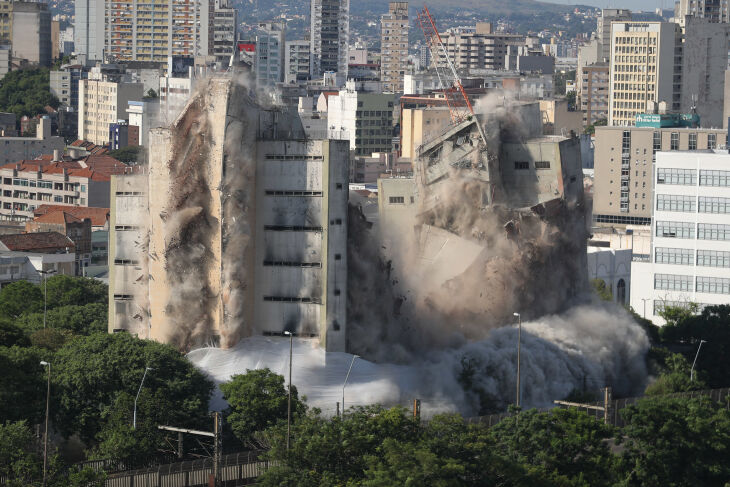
x: 45, y: 291
x: 519, y: 345
x: 45, y: 436
x: 288, y: 409
x: 345, y: 383
x: 692, y: 370
x: 134, y: 418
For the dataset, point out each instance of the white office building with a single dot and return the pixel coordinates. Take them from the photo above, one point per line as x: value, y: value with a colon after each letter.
x: 690, y: 250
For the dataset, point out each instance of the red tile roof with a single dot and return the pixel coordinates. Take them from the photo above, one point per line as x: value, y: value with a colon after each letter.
x: 36, y: 241
x: 98, y: 216
x: 88, y: 146
x: 97, y: 167
x: 59, y: 216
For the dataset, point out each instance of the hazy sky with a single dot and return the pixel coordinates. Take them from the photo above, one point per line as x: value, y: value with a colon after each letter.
x: 649, y: 5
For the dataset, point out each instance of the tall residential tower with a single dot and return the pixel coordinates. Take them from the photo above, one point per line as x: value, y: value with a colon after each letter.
x: 394, y: 47
x: 329, y: 35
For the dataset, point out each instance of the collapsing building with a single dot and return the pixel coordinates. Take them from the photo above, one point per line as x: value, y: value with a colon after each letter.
x: 240, y: 228
x: 491, y: 224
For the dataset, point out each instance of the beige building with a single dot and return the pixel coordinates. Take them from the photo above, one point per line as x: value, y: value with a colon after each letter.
x: 419, y: 125
x: 624, y: 157
x: 31, y: 36
x: 593, y: 92
x: 478, y: 49
x: 6, y: 21
x: 642, y: 68
x: 153, y: 31
x: 102, y: 103
x: 394, y: 46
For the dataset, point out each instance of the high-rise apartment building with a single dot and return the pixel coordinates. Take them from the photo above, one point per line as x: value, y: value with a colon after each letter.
x: 642, y: 68
x: 366, y: 119
x: 329, y: 36
x: 6, y: 21
x: 89, y: 29
x: 603, y: 30
x: 297, y: 56
x: 270, y: 44
x: 153, y: 31
x: 624, y: 157
x: 224, y: 30
x: 394, y: 47
x: 690, y: 248
x: 31, y: 36
x: 682, y: 64
x: 593, y: 88
x: 712, y: 10
x: 102, y: 103
x: 478, y: 48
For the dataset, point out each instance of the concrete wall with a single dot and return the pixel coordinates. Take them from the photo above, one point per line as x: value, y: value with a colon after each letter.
x: 32, y: 32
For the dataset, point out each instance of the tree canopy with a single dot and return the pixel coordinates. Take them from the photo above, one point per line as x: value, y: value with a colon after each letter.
x: 26, y: 92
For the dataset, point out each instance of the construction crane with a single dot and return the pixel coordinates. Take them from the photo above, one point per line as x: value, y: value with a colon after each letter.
x: 459, y: 105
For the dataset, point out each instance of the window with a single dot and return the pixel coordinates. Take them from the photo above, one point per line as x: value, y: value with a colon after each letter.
x: 542, y: 164
x: 673, y: 282
x: 674, y: 141
x: 58, y: 199
x: 621, y: 292
x: 711, y: 141
x: 693, y: 141
x: 520, y: 165
x: 83, y: 188
x: 664, y: 255
x: 710, y: 231
x: 714, y: 178
x: 393, y: 200
x: 713, y: 258
x: 675, y: 229
x: 672, y: 202
x: 676, y: 176
x: 657, y: 142
x: 714, y: 285
x: 714, y: 205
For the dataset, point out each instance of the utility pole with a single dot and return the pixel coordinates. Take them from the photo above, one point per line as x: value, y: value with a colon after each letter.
x: 288, y: 409
x: 606, y: 408
x: 519, y: 346
x: 217, y: 435
x: 45, y: 435
x: 417, y: 410
x: 692, y: 370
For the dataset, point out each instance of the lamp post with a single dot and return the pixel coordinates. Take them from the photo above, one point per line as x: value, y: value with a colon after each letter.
x: 45, y: 291
x: 519, y: 345
x: 288, y: 409
x: 345, y: 383
x: 692, y: 370
x: 645, y: 300
x: 134, y: 417
x: 45, y: 435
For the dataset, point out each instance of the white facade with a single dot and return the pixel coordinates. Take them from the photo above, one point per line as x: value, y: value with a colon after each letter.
x: 613, y: 267
x: 139, y: 113
x: 690, y: 252
x: 174, y: 94
x: 25, y: 266
x: 297, y: 57
x: 270, y: 43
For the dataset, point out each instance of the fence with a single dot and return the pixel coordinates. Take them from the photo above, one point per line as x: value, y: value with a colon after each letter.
x: 615, y: 406
x: 236, y: 469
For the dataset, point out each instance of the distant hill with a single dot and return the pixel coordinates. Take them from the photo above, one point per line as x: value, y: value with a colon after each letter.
x: 484, y: 8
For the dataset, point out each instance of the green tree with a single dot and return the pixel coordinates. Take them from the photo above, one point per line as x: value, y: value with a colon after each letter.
x: 258, y: 399
x: 333, y: 451
x: 22, y: 384
x: 50, y: 338
x: 674, y: 377
x: 127, y: 154
x: 566, y: 445
x: 18, y: 462
x: 571, y: 98
x: 12, y: 335
x: 75, y: 291
x: 151, y: 94
x: 93, y: 376
x: 685, y: 327
x: 81, y: 320
x: 601, y: 289
x: 591, y: 129
x: 26, y: 92
x: 20, y: 297
x: 676, y: 442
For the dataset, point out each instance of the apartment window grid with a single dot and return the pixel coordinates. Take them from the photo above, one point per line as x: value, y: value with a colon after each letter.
x: 714, y: 178
x: 713, y: 258
x: 711, y: 141
x: 657, y: 146
x: 673, y: 202
x: 665, y: 255
x: 674, y: 141
x: 686, y: 177
x: 693, y: 141
x: 712, y: 231
x: 713, y: 285
x: 675, y: 229
x: 673, y: 282
x: 710, y: 204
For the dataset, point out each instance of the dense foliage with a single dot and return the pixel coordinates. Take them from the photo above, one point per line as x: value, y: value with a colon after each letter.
x: 128, y: 154
x: 26, y: 92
